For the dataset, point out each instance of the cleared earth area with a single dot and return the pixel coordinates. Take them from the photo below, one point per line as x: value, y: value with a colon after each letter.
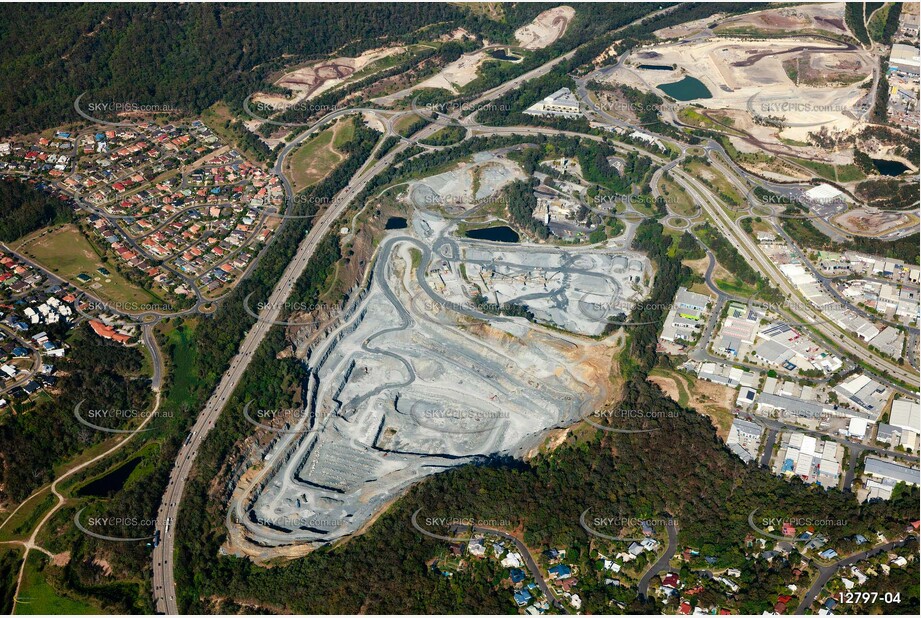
x: 456, y: 191
x: 806, y: 82
x: 546, y: 28
x: 574, y: 290
x: 412, y: 382
x: 312, y: 80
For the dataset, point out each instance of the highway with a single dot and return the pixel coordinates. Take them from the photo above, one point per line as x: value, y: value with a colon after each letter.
x: 167, y: 516
x: 753, y: 255
x: 164, y: 583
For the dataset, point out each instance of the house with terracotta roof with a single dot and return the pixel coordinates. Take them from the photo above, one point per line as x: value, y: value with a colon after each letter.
x: 107, y: 332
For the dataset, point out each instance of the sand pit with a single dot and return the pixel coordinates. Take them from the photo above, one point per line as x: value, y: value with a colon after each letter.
x: 546, y: 28
x: 309, y: 81
x: 690, y: 28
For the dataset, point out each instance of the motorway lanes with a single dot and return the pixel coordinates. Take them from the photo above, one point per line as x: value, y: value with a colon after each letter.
x: 754, y: 256
x: 167, y: 516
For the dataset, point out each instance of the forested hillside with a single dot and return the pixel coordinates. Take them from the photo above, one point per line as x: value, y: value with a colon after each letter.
x: 25, y: 208
x: 96, y: 374
x: 185, y: 56
x: 683, y: 470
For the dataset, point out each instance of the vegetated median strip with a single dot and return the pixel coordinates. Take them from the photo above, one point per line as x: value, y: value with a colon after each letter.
x: 231, y: 314
x: 779, y: 277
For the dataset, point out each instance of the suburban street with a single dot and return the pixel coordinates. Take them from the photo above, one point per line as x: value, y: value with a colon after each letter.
x: 531, y: 564
x: 662, y: 563
x: 827, y: 572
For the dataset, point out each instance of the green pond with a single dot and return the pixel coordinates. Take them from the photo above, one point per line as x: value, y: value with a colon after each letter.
x: 688, y: 89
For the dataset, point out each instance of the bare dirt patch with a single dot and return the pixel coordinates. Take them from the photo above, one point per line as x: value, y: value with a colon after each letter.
x: 452, y: 77
x: 712, y: 400
x: 546, y: 28
x: 668, y: 386
x: 872, y: 222
x: 690, y: 28
x: 817, y: 18
x: 314, y: 79
x: 762, y: 78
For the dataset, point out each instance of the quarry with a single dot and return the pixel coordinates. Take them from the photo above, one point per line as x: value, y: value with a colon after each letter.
x: 806, y: 82
x: 419, y: 376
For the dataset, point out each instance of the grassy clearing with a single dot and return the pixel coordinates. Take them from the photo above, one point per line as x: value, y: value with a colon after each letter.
x: 677, y: 198
x: 409, y: 124
x: 37, y: 596
x: 828, y: 171
x: 181, y: 350
x: 345, y: 131
x: 714, y: 122
x: 736, y: 287
x: 877, y: 22
x: 709, y: 175
x: 416, y: 257
x: 318, y: 156
x: 68, y: 254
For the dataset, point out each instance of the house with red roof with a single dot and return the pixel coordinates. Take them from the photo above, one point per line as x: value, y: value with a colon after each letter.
x: 107, y: 332
x: 671, y: 580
